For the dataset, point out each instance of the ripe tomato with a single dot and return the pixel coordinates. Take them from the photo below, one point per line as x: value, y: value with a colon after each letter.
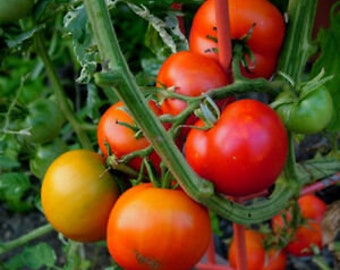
x: 257, y: 257
x: 121, y: 139
x: 261, y: 16
x: 190, y: 74
x: 308, y: 233
x: 13, y: 10
x: 312, y: 207
x: 306, y: 236
x: 244, y: 152
x: 153, y: 228
x: 77, y: 195
x: 309, y: 113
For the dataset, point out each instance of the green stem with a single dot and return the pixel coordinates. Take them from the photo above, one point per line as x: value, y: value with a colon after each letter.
x: 297, y: 47
x: 32, y: 235
x: 60, y: 93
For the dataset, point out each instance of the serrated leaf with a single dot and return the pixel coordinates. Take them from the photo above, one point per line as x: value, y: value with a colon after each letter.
x: 33, y: 257
x: 329, y: 60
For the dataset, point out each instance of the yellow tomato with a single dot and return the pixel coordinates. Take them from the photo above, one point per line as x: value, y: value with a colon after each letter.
x: 77, y: 195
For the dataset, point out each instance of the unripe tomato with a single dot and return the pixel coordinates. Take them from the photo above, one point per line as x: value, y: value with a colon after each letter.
x: 13, y: 10
x: 44, y: 121
x: 243, y: 153
x: 309, y: 114
x: 153, y: 228
x: 77, y: 195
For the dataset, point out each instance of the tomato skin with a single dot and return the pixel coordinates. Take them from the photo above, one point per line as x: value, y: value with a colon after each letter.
x: 266, y: 38
x: 257, y: 257
x: 153, y: 228
x: 235, y: 153
x: 120, y: 138
x: 10, y: 11
x: 77, y: 195
x: 191, y: 74
x: 309, y: 114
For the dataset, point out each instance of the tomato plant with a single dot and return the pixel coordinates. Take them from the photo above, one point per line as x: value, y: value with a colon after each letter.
x: 77, y: 195
x: 189, y: 74
x: 258, y: 23
x: 153, y: 228
x: 13, y: 10
x: 117, y: 134
x: 257, y: 256
x: 235, y: 153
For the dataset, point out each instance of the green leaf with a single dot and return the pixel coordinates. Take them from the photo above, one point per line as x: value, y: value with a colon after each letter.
x: 33, y: 257
x: 13, y: 187
x: 329, y: 60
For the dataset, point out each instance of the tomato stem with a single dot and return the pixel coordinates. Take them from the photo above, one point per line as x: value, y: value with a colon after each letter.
x: 21, y: 241
x: 60, y: 93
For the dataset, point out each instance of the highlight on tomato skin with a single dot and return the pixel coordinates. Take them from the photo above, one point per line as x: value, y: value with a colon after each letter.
x: 154, y: 228
x: 234, y: 154
x: 77, y: 195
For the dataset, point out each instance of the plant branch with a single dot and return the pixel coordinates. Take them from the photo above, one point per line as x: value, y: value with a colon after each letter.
x: 59, y: 92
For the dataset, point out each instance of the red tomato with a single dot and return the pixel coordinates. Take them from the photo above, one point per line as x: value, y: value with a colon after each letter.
x: 153, y: 228
x: 257, y: 257
x: 312, y: 207
x: 190, y: 74
x: 244, y: 152
x: 307, y: 234
x: 265, y: 40
x: 121, y: 139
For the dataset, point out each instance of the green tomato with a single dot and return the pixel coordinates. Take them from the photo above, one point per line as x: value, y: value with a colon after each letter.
x: 44, y: 155
x: 309, y: 114
x: 44, y: 121
x: 13, y: 10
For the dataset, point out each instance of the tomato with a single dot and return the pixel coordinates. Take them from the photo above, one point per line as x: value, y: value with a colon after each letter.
x: 310, y: 113
x: 244, y: 152
x: 306, y: 236
x: 120, y: 138
x: 189, y: 74
x: 44, y: 121
x: 257, y: 257
x: 77, y: 195
x: 266, y: 38
x: 312, y: 207
x: 309, y: 232
x: 13, y: 10
x: 154, y: 228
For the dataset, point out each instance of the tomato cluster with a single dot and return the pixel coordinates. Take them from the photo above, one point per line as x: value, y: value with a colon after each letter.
x: 305, y: 234
x: 242, y: 152
x: 259, y: 25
